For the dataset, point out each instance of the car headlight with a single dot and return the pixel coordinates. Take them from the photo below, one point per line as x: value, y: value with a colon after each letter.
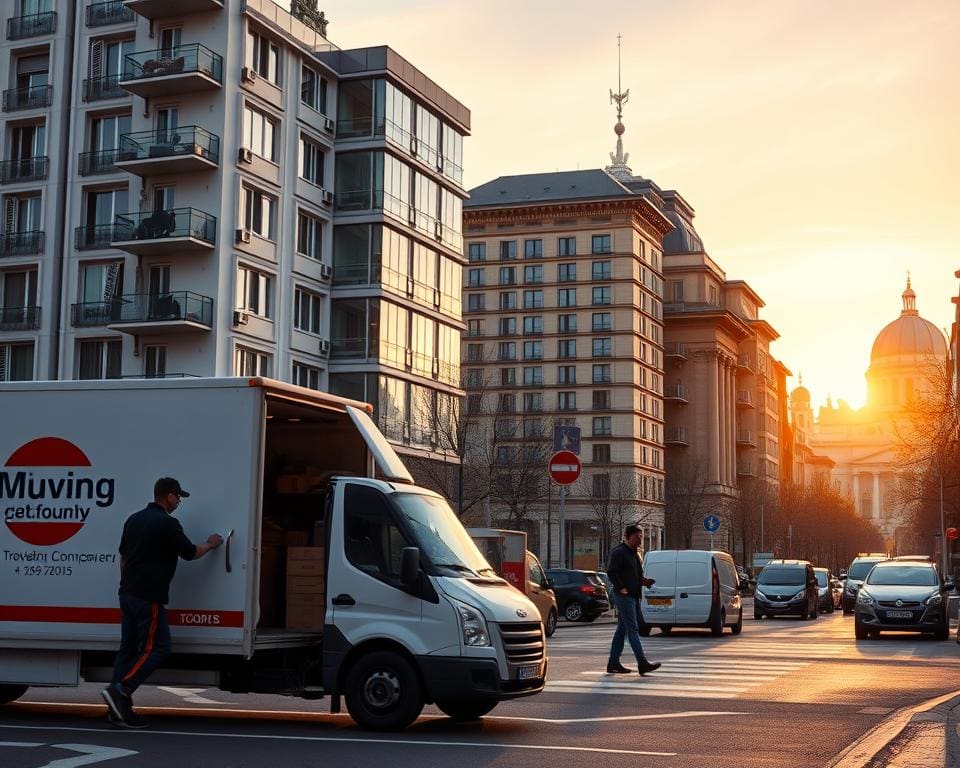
x: 864, y: 598
x: 935, y: 599
x: 851, y: 589
x: 800, y: 595
x: 472, y: 624
x: 757, y: 593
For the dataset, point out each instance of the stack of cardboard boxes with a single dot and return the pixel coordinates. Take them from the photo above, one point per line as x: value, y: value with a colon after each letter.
x: 306, y: 590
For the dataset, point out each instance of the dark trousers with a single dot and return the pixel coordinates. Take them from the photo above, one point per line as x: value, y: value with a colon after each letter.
x: 144, y: 642
x: 628, y: 612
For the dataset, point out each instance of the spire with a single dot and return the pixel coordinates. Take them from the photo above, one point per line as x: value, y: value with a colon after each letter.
x: 909, y: 300
x: 618, y: 167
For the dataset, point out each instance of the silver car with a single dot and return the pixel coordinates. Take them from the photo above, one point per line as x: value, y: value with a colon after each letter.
x: 902, y: 596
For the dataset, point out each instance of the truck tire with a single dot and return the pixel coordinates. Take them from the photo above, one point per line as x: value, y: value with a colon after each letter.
x: 466, y: 709
x: 383, y: 692
x: 550, y: 626
x: 10, y: 693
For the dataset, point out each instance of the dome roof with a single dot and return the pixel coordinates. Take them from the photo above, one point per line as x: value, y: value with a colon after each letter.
x: 683, y: 238
x: 800, y: 395
x: 909, y: 335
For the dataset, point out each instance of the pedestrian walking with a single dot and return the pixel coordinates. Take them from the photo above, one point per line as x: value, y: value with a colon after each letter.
x: 152, y: 541
x: 625, y: 570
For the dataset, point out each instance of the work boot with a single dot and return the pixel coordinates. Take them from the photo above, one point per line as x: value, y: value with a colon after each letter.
x: 648, y: 667
x: 617, y: 668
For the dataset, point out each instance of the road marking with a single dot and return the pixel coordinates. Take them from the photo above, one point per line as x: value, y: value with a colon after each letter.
x: 613, y: 718
x: 190, y: 694
x: 353, y: 740
x: 556, y: 688
x: 19, y: 744
x: 90, y: 753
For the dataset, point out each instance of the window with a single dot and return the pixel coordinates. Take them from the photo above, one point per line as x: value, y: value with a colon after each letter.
x: 533, y: 274
x: 304, y: 375
x: 602, y: 374
x: 567, y: 246
x: 474, y: 404
x: 475, y: 277
x: 601, y: 400
x: 474, y: 327
x: 507, y: 350
x: 508, y: 300
x: 602, y: 295
x: 675, y: 290
x: 532, y: 249
x: 533, y: 376
x: 602, y: 425
x: 601, y: 486
x: 566, y: 273
x: 601, y: 453
x: 567, y: 297
x: 567, y: 323
x: 602, y: 321
x: 259, y: 212
x: 601, y: 271
x: 311, y: 161
x: 566, y: 401
x: 474, y: 378
x: 603, y: 347
x: 99, y: 359
x: 263, y: 56
x: 313, y: 91
x: 249, y: 362
x: 532, y: 428
x: 508, y: 377
x: 476, y: 302
x: 532, y: 325
x: 532, y: 402
x: 601, y: 244
x: 508, y: 326
x: 260, y: 133
x: 533, y: 350
x: 254, y: 291
x: 508, y: 249
x: 373, y: 543
x: 566, y: 348
x: 307, y: 311
x: 533, y: 299
x: 507, y: 403
x: 155, y: 361
x: 714, y: 296
x: 309, y: 235
x: 508, y: 275
x: 477, y: 251
x: 16, y: 362
x: 474, y: 352
x: 566, y: 374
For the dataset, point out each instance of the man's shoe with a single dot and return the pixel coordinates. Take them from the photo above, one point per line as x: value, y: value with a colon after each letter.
x: 613, y: 669
x: 648, y: 667
x: 133, y: 721
x: 117, y: 702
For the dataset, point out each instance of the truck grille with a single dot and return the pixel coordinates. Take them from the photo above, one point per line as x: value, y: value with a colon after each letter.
x: 522, y: 643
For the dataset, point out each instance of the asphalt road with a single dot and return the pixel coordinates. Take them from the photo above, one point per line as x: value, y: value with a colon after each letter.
x: 784, y: 693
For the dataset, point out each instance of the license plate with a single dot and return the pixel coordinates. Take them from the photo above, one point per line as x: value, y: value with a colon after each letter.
x: 659, y: 601
x: 899, y: 614
x: 529, y: 672
x: 778, y: 605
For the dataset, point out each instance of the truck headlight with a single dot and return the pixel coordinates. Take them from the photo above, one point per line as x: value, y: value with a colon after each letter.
x: 864, y: 598
x: 472, y: 624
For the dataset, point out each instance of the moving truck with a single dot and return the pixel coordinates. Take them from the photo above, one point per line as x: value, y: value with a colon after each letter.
x: 337, y: 577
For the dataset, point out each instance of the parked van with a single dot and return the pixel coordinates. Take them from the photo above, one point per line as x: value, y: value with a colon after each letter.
x: 694, y: 588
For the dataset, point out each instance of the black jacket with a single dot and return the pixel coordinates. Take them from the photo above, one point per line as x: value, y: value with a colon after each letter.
x: 625, y: 569
x: 152, y: 540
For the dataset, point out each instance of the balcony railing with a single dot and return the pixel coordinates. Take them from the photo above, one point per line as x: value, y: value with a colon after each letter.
x: 20, y: 27
x: 745, y: 398
x: 27, y: 169
x: 675, y: 392
x: 94, y: 237
x: 746, y: 437
x: 746, y: 469
x: 189, y: 140
x: 113, y: 12
x: 21, y: 243
x: 99, y: 162
x: 183, y: 59
x: 676, y: 436
x: 177, y: 222
x: 675, y: 350
x: 746, y: 363
x: 93, y: 313
x: 101, y: 88
x: 168, y: 307
x: 35, y: 97
x: 19, y: 318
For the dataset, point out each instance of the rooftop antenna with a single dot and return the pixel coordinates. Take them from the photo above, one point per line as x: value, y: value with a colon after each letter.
x: 618, y: 167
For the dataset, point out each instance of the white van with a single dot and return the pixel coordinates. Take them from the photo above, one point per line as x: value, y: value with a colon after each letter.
x: 694, y: 588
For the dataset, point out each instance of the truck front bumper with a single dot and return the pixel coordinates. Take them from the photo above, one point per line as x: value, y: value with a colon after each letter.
x: 465, y: 678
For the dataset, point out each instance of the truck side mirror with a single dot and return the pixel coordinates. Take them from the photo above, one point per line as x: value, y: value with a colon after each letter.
x: 409, y: 565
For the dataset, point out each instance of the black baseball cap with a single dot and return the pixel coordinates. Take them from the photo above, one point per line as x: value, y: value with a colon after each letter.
x: 166, y: 485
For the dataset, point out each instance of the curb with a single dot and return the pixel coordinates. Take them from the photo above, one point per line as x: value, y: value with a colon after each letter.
x: 923, y: 718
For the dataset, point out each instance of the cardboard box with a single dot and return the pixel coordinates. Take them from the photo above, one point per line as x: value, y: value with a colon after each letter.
x: 297, y: 538
x: 305, y: 553
x: 312, y: 598
x: 308, y: 618
x: 305, y: 585
x: 293, y: 484
x: 304, y: 568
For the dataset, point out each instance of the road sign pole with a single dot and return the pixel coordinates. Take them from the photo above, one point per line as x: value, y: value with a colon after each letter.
x: 563, y: 524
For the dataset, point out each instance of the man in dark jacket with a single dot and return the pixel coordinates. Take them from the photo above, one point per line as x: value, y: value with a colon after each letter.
x: 151, y: 542
x: 626, y: 572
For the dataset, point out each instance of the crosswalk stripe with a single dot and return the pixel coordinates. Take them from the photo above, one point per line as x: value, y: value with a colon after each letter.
x: 757, y: 678
x: 653, y: 684
x: 669, y: 694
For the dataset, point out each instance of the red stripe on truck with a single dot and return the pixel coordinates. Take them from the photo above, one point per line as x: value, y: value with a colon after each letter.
x: 177, y: 617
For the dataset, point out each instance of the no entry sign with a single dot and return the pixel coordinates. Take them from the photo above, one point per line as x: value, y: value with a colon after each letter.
x: 564, y: 467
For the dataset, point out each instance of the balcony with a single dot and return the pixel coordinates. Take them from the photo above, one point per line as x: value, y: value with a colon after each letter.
x: 745, y: 364
x: 99, y: 162
x: 103, y: 88
x: 37, y: 97
x: 744, y: 398
x: 95, y: 313
x: 185, y: 69
x: 113, y: 12
x: 144, y: 314
x: 746, y: 438
x: 21, y: 27
x: 675, y: 351
x: 675, y: 393
x: 21, y: 243
x: 745, y: 468
x: 182, y: 150
x: 676, y: 436
x: 165, y: 233
x: 27, y: 169
x: 157, y: 9
x: 94, y: 237
x: 19, y: 318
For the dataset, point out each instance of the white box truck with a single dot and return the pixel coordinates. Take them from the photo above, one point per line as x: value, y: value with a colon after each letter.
x: 330, y: 582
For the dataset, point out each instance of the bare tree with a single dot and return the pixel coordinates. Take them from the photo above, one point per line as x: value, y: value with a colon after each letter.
x: 685, y: 497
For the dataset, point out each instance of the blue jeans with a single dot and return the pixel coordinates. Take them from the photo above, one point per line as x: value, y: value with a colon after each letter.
x: 628, y: 609
x: 144, y: 642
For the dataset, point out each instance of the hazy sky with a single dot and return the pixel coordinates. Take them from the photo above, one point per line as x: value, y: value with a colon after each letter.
x: 817, y: 141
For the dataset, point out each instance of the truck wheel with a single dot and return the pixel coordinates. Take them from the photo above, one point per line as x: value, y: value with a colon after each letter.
x: 10, y: 693
x: 551, y: 624
x: 466, y: 709
x: 383, y: 692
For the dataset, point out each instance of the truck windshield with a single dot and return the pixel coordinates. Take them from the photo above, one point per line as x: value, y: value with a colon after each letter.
x: 440, y: 535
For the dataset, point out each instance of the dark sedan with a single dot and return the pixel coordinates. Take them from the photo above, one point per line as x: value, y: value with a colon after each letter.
x: 581, y: 595
x: 903, y: 597
x: 829, y: 594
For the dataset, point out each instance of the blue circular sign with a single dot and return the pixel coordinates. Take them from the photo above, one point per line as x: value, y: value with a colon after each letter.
x: 711, y: 523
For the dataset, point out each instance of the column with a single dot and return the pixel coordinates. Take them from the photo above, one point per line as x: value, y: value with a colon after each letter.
x: 723, y: 396
x: 856, y: 491
x: 876, y: 496
x: 713, y: 421
x: 732, y: 416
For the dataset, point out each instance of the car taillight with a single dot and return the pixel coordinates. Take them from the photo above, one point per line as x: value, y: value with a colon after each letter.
x: 588, y: 588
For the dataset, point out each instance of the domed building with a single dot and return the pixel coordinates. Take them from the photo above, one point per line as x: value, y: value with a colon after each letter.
x: 864, y: 443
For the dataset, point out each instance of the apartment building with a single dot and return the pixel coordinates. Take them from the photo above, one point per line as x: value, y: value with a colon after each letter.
x: 209, y: 189
x: 562, y: 304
